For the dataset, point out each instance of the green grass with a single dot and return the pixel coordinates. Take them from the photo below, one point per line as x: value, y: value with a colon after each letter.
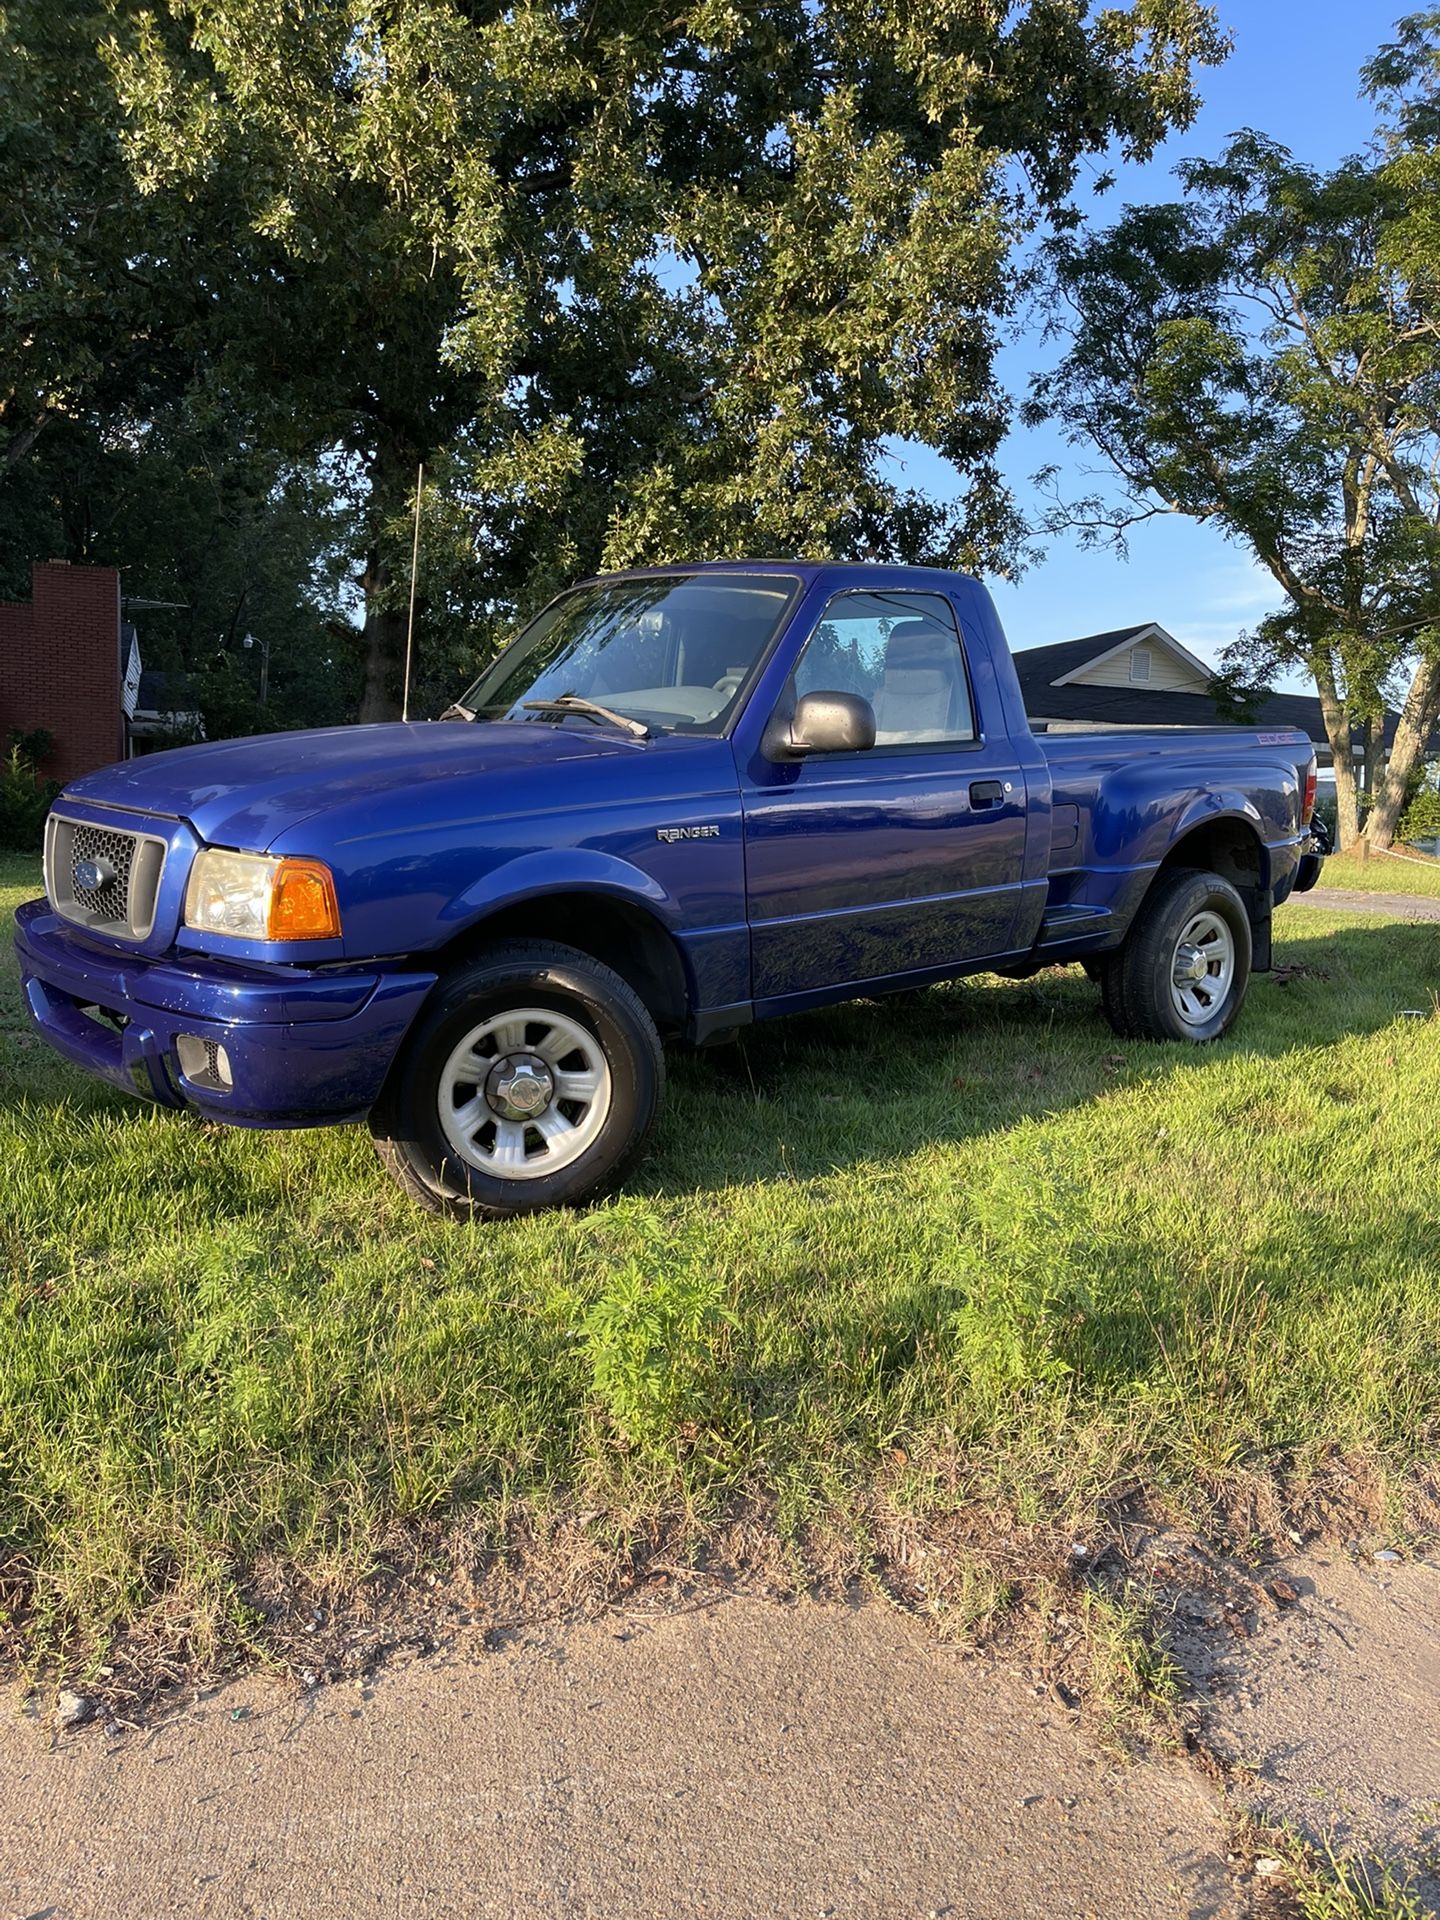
x: 961, y: 1246
x: 1326, y: 1883
x: 1382, y: 873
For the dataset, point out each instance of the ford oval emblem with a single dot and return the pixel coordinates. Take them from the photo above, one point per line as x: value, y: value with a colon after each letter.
x: 93, y: 875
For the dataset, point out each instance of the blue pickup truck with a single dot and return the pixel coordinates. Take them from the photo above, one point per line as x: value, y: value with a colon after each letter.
x: 681, y: 800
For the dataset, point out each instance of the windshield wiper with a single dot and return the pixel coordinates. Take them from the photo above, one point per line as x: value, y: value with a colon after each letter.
x: 456, y: 712
x: 573, y: 703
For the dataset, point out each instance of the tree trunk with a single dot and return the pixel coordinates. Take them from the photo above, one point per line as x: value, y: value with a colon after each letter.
x: 383, y: 639
x: 1337, y: 732
x: 1347, y: 802
x: 16, y: 449
x: 383, y: 580
x: 1412, y: 735
x: 1374, y: 761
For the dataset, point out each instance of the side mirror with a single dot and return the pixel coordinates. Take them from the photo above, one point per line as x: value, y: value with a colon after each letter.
x: 825, y: 723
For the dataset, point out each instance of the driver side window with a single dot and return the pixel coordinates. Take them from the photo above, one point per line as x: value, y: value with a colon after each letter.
x: 899, y: 651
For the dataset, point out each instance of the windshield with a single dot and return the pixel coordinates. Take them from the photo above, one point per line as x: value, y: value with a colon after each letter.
x: 671, y: 652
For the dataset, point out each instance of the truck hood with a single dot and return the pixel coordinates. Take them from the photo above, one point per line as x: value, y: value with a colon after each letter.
x: 247, y: 793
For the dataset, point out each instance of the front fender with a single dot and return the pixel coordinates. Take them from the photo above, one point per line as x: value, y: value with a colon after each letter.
x: 530, y: 876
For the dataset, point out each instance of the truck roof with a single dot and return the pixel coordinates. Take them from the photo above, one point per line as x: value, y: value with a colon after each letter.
x: 806, y: 570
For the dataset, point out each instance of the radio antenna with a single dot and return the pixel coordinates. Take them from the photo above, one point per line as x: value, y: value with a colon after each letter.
x: 414, y: 567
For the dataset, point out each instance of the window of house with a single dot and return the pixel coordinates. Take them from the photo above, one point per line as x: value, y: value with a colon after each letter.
x: 899, y: 651
x: 1140, y: 663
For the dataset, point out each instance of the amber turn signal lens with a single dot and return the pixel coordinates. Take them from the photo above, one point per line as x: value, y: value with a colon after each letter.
x: 302, y: 902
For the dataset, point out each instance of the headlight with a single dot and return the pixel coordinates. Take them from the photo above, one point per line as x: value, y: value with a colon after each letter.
x: 254, y: 897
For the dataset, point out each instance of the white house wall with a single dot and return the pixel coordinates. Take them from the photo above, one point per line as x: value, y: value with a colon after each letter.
x: 1167, y: 674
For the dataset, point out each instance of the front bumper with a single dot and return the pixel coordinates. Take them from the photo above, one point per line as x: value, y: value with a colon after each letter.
x: 304, y: 1048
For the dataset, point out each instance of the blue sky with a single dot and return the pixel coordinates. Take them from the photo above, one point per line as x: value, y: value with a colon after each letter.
x: 1294, y: 73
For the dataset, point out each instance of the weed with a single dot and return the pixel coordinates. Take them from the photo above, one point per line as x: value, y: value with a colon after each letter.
x: 650, y: 1339
x: 1327, y: 1884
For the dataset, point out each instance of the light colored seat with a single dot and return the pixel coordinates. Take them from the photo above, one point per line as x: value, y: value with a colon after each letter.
x: 921, y: 692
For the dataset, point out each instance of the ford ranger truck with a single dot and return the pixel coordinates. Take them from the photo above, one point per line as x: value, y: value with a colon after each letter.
x: 681, y: 800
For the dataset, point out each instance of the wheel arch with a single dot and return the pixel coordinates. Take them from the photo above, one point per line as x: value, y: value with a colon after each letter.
x: 611, y: 927
x: 1230, y: 845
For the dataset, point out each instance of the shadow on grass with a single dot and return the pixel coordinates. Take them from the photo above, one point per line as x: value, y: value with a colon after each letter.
x: 884, y: 1078
x: 871, y: 1080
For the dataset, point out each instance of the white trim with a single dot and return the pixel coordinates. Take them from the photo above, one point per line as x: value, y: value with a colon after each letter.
x: 1141, y: 634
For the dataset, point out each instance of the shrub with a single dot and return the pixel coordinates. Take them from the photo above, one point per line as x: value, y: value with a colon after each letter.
x: 24, y: 796
x: 1421, y: 819
x: 650, y: 1339
x: 1020, y: 1273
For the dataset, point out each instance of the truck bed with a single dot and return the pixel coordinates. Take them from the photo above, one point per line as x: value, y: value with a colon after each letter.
x: 1122, y: 797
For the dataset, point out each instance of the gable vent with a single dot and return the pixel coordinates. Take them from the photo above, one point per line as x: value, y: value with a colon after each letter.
x: 1140, y: 664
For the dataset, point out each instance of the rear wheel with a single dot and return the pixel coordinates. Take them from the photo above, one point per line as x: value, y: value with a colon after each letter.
x: 1184, y: 969
x: 532, y: 1080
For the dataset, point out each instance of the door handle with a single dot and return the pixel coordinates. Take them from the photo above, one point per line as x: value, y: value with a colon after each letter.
x: 986, y: 793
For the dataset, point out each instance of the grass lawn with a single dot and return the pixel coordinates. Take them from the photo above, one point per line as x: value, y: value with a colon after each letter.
x: 1383, y: 874
x: 961, y: 1245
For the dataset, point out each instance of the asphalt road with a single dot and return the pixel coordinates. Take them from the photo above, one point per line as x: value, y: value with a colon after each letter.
x: 1396, y: 906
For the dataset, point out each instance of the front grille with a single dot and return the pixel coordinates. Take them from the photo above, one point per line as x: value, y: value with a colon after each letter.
x: 112, y: 855
x: 102, y: 878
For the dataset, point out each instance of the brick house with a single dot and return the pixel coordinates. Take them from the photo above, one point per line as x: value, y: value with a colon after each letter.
x: 64, y: 665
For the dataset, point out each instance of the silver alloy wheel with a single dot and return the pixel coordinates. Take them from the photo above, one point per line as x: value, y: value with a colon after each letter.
x: 1202, y: 968
x: 524, y: 1093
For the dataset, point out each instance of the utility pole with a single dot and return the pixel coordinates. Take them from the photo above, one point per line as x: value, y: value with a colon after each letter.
x: 414, y: 568
x: 264, y: 646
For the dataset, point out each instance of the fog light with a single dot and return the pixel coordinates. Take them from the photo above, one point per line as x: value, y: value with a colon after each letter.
x: 204, y: 1063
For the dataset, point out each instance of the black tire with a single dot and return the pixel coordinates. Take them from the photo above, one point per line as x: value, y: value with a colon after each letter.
x: 1136, y: 984
x: 407, y: 1125
x: 1105, y: 970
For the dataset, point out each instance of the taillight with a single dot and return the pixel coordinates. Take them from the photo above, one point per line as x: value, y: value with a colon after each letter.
x: 1307, y: 805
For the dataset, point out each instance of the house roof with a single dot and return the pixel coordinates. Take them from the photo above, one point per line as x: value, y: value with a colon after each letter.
x: 1153, y: 636
x: 1144, y: 707
x: 1050, y: 693
x: 1140, y: 706
x: 1048, y: 664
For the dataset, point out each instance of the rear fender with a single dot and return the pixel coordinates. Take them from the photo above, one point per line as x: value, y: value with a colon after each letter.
x: 1224, y: 834
x: 1215, y: 809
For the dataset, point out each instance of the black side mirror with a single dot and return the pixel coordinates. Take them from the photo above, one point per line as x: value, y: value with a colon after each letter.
x: 824, y: 723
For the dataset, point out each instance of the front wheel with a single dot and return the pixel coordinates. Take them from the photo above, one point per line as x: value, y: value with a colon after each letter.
x: 1185, y: 966
x: 532, y: 1080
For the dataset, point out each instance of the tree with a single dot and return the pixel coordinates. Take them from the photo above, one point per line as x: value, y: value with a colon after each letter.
x: 225, y: 535
x: 638, y: 283
x: 108, y: 295
x: 1262, y: 356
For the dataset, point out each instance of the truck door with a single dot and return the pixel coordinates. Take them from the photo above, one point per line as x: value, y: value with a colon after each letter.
x: 907, y: 857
